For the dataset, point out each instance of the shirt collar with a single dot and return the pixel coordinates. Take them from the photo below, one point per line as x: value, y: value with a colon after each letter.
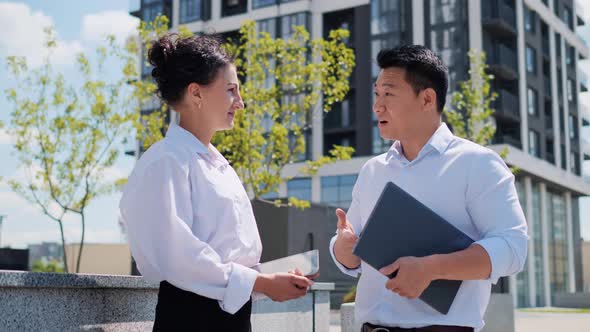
x: 439, y: 141
x: 182, y: 136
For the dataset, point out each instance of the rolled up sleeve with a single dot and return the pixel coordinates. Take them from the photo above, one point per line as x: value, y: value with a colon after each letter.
x: 157, y: 210
x: 492, y: 203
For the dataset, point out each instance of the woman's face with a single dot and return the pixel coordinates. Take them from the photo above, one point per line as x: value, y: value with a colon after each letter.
x: 221, y: 99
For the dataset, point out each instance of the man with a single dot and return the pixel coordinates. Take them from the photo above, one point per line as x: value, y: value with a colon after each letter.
x: 467, y: 184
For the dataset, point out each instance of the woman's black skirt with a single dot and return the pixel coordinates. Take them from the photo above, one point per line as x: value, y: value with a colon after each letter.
x: 179, y: 310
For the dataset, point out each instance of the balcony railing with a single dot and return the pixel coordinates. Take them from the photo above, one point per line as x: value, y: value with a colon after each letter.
x: 507, y: 139
x: 547, y: 86
x: 580, y: 13
x: 496, y: 14
x: 502, y: 59
x: 585, y: 148
x: 506, y: 105
x: 583, y: 78
x: 585, y: 114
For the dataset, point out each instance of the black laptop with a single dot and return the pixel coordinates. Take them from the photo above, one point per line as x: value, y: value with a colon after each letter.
x: 401, y: 226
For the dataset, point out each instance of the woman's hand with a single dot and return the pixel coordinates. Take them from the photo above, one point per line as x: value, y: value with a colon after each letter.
x: 281, y: 287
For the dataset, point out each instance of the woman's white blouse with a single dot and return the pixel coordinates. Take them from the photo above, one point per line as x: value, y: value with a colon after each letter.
x: 189, y: 220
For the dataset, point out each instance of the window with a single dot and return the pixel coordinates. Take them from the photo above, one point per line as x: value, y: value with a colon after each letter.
x: 522, y: 284
x: 558, y: 244
x: 289, y: 22
x: 299, y: 188
x: 568, y: 17
x: 573, y: 124
x: 151, y: 9
x: 534, y: 144
x: 532, y: 102
x: 575, y: 163
x: 263, y: 3
x: 191, y: 10
x: 538, y: 239
x: 337, y: 190
x: 570, y: 90
x: 531, y: 60
x: 233, y: 7
x: 391, y: 26
x: 558, y: 47
x: 563, y: 157
x: 529, y: 19
x: 569, y: 54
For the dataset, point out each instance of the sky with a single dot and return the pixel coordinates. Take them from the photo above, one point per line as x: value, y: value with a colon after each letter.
x: 80, y: 26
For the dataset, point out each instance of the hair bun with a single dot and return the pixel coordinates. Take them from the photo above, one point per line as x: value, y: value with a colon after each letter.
x: 160, y: 53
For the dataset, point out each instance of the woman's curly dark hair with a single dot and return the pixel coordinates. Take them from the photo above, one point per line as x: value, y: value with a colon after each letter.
x: 180, y: 61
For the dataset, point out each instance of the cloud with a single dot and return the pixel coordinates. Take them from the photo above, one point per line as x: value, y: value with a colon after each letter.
x: 22, y: 35
x: 5, y: 137
x: 95, y: 27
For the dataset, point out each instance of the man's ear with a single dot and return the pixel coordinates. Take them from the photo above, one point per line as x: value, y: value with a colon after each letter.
x: 429, y: 99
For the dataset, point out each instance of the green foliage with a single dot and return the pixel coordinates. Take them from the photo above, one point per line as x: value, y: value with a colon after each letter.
x: 67, y: 134
x: 350, y: 295
x: 284, y: 80
x: 43, y: 265
x: 471, y: 112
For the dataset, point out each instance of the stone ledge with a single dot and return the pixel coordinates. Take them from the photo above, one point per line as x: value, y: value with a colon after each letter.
x: 72, y: 280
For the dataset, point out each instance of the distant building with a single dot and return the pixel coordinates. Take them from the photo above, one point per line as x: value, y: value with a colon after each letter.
x: 100, y: 258
x: 46, y: 250
x: 14, y: 259
x: 533, y: 50
x: 586, y: 265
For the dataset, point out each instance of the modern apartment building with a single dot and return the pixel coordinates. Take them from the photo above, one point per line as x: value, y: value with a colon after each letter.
x: 533, y: 51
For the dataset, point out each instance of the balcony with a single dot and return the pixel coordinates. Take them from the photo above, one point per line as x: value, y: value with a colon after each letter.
x: 585, y: 148
x: 579, y: 12
x: 498, y: 17
x: 584, y: 114
x: 547, y: 86
x: 506, y: 106
x: 507, y: 139
x: 545, y: 47
x: 583, y: 78
x: 135, y: 8
x: 502, y: 60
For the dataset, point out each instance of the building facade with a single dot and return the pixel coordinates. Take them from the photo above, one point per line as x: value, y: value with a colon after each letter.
x: 533, y: 51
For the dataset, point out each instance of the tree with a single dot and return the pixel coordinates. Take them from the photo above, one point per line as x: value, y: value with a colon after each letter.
x: 68, y: 134
x: 470, y: 114
x: 283, y: 81
x: 44, y: 265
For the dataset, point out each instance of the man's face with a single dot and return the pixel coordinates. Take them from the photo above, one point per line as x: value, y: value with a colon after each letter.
x: 397, y: 106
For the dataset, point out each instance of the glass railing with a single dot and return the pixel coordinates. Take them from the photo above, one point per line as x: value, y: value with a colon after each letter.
x: 583, y: 79
x: 507, y: 103
x: 498, y: 10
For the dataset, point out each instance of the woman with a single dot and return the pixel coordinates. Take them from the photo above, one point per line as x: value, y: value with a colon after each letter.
x: 189, y: 220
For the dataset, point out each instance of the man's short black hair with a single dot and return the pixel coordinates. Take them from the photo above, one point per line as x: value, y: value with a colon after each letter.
x: 423, y: 69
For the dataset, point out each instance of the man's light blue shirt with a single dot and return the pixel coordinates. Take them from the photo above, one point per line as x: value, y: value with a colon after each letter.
x: 468, y: 185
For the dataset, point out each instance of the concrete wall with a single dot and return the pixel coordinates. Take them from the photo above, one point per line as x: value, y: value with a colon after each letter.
x: 499, y: 316
x: 586, y: 266
x: 100, y: 258
x: 572, y: 300
x: 75, y: 302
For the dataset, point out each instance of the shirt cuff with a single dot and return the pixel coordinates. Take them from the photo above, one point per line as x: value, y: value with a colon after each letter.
x: 239, y: 288
x: 501, y: 256
x: 344, y: 269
